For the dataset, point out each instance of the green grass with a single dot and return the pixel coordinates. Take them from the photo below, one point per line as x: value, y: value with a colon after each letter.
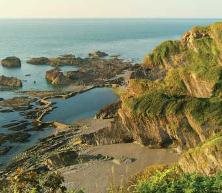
x: 162, y: 53
x: 172, y: 181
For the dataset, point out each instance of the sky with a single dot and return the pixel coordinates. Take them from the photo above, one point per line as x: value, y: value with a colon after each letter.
x: 110, y: 8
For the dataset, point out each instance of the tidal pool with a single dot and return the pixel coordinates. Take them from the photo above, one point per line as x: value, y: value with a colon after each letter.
x: 81, y: 106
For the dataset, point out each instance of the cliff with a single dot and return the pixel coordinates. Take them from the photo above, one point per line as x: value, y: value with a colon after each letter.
x: 178, y: 102
x: 205, y: 158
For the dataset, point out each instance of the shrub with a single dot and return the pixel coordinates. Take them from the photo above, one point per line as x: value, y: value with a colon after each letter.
x: 173, y: 181
x: 30, y: 182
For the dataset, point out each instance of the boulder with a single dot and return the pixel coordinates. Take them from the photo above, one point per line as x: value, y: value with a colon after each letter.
x: 11, y: 62
x: 10, y: 81
x: 56, y: 77
x: 97, y: 54
x: 38, y: 61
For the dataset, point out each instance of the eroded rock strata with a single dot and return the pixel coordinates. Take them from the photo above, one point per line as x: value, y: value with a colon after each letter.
x: 10, y: 82
x: 176, y: 107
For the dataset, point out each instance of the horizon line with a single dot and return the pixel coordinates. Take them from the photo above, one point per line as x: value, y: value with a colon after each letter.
x: 17, y: 18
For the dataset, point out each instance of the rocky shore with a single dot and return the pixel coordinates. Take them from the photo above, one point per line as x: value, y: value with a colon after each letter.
x: 95, y: 69
x: 169, y: 113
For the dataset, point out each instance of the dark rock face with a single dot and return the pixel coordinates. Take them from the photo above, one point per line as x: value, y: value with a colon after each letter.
x: 62, y: 159
x: 98, y: 54
x: 39, y: 61
x: 10, y: 82
x: 109, y: 111
x: 205, y: 159
x: 56, y: 77
x: 113, y: 133
x: 11, y: 62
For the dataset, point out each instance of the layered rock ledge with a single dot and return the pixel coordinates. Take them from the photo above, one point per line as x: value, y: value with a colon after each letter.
x: 10, y: 82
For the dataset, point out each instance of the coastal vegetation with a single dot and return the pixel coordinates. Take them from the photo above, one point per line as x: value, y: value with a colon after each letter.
x: 162, y: 178
x: 180, y: 108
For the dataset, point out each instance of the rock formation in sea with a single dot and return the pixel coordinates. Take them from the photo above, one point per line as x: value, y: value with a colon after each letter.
x: 11, y: 62
x: 10, y: 82
x: 56, y: 77
x: 38, y: 61
x: 97, y: 54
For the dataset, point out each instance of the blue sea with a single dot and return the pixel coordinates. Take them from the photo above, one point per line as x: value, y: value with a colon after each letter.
x: 131, y: 38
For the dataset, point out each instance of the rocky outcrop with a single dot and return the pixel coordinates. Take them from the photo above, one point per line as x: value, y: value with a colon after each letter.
x: 97, y: 54
x: 160, y: 132
x: 61, y: 159
x: 11, y: 62
x: 109, y: 111
x: 11, y: 82
x: 197, y: 87
x: 56, y: 77
x: 205, y: 159
x: 38, y: 61
x: 173, y: 98
x: 93, y: 70
x: 17, y: 103
x: 112, y: 133
x: 67, y: 59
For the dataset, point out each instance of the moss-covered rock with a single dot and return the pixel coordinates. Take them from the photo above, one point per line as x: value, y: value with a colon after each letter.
x: 205, y: 159
x: 183, y: 106
x: 198, y: 57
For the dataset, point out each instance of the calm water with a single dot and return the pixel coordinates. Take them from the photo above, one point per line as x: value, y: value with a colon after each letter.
x: 81, y: 106
x: 131, y: 38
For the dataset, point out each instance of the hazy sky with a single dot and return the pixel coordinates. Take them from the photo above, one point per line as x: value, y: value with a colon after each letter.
x: 110, y: 8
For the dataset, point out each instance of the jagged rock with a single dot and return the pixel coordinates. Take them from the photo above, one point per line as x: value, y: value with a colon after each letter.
x: 205, y: 159
x: 77, y: 75
x: 62, y: 159
x: 17, y: 103
x: 56, y: 77
x: 67, y: 59
x: 97, y: 54
x: 11, y: 62
x: 38, y: 61
x: 180, y: 104
x: 11, y: 82
x: 109, y: 111
x: 113, y: 132
x: 162, y: 122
